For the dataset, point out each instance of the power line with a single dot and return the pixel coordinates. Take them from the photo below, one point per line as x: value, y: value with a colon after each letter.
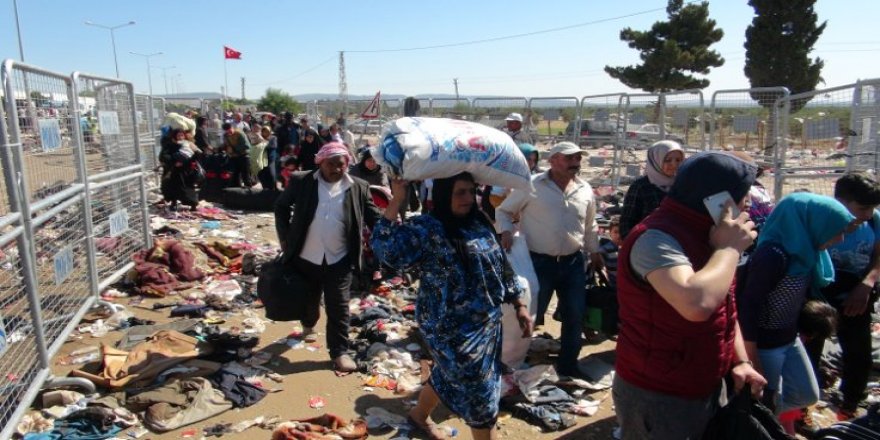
x: 526, y: 34
x: 310, y: 69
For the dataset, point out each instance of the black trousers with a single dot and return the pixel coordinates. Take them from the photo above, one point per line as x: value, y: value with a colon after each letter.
x: 854, y: 336
x: 241, y: 167
x: 334, y: 282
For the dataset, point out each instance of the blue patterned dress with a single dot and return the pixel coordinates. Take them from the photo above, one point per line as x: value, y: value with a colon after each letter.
x: 458, y: 309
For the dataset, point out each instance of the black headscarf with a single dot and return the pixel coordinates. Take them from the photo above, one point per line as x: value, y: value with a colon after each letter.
x: 452, y: 224
x: 708, y: 173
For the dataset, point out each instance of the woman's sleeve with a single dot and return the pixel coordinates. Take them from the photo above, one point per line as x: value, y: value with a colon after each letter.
x: 400, y: 245
x: 766, y: 268
x: 629, y: 213
x: 513, y: 289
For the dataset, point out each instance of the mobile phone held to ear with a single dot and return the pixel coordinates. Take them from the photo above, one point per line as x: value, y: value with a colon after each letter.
x: 715, y: 205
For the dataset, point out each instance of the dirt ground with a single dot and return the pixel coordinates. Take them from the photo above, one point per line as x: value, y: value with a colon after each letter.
x: 308, y: 374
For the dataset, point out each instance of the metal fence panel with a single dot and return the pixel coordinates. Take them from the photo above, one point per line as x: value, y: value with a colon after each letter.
x: 146, y: 131
x: 555, y: 119
x: 119, y: 196
x: 47, y: 277
x: 814, y: 150
x: 493, y: 111
x: 452, y: 108
x: 118, y: 225
x: 864, y: 138
x: 608, y: 111
x: 391, y: 108
x: 20, y: 355
x: 114, y: 144
x: 43, y: 120
x: 744, y: 119
x: 684, y: 114
x: 181, y: 105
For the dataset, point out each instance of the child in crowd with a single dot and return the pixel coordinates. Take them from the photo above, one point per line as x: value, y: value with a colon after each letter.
x: 288, y: 167
x: 608, y: 247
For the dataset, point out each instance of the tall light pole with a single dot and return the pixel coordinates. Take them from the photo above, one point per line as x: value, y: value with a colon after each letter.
x: 165, y: 75
x: 112, y: 38
x: 149, y: 74
x: 18, y: 29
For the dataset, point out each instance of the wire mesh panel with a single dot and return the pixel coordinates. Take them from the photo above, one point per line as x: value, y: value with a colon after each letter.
x: 600, y: 125
x: 327, y: 111
x: 684, y: 113
x: 555, y: 119
x: 642, y: 113
x: 115, y: 140
x: 183, y: 105
x: 19, y: 350
x: 814, y: 150
x: 452, y: 108
x: 43, y: 121
x: 864, y: 138
x: 61, y: 267
x: 745, y: 119
x: 118, y: 197
x: 158, y: 114
x: 493, y: 111
x: 391, y: 108
x: 143, y: 116
x: 118, y: 225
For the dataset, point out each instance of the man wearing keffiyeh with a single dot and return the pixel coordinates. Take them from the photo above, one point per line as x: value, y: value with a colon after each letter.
x: 319, y: 218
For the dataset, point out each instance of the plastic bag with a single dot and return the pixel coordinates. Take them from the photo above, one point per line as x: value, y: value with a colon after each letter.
x: 521, y: 261
x: 514, y: 347
x: 435, y: 148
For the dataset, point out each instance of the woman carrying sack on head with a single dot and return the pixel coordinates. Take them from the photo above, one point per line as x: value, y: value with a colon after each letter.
x: 464, y: 280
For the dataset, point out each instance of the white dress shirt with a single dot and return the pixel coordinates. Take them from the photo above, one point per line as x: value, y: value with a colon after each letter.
x: 326, y: 240
x: 554, y: 222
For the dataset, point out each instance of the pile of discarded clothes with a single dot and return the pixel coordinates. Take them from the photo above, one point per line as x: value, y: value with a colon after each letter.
x: 169, y: 379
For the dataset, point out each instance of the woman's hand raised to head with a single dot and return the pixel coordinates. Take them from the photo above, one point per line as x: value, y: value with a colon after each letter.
x: 398, y: 195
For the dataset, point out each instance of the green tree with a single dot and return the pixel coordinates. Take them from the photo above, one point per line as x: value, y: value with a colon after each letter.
x: 778, y: 45
x: 671, y: 50
x: 278, y: 101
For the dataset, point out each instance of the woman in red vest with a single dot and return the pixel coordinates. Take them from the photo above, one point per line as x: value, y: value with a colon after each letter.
x: 679, y: 336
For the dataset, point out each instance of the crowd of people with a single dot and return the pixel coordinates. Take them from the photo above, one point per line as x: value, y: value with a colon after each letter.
x: 246, y: 149
x: 706, y: 301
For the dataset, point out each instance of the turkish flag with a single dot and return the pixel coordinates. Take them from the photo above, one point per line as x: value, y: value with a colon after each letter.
x: 231, y: 54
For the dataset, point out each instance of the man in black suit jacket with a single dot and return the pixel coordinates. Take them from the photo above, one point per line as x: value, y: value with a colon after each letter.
x: 319, y: 219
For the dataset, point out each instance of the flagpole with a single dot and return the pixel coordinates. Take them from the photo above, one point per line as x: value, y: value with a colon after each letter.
x: 225, y: 78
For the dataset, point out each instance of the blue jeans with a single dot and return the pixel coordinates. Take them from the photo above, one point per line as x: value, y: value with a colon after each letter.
x: 790, y: 365
x: 565, y: 276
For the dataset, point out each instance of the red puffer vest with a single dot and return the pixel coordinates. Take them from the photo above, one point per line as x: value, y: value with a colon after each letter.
x: 657, y: 349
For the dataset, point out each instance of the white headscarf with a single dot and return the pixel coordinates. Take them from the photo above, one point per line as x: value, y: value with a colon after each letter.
x: 656, y: 154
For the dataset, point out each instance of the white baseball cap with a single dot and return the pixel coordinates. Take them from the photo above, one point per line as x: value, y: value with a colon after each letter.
x: 565, y: 148
x: 514, y: 117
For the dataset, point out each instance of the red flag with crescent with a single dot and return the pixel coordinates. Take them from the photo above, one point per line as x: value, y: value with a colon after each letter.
x: 231, y: 54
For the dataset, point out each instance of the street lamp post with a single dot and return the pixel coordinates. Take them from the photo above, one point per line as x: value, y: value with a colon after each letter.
x: 165, y: 75
x: 112, y: 38
x: 149, y: 74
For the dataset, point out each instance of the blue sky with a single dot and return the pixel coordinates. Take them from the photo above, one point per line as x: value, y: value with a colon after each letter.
x: 294, y: 45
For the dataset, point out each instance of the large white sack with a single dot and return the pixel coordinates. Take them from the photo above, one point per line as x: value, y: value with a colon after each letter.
x: 514, y: 347
x: 521, y: 261
x: 176, y: 120
x: 435, y: 148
